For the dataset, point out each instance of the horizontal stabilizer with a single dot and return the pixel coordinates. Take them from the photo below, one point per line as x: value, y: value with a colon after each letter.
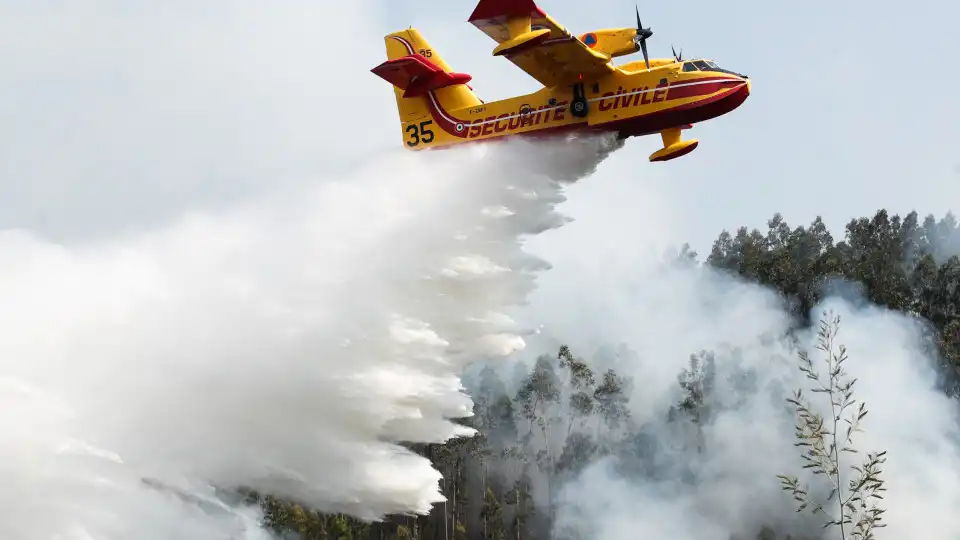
x: 416, y: 75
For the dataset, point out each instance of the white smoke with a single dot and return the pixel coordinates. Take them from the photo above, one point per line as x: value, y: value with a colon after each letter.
x: 664, y: 313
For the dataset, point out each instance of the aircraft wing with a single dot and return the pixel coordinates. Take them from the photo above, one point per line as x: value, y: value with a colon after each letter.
x: 558, y: 58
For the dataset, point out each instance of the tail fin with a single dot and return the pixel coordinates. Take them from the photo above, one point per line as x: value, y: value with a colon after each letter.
x: 415, y: 68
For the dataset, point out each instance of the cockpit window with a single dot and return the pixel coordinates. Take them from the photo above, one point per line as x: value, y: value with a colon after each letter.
x: 688, y: 66
x: 707, y: 65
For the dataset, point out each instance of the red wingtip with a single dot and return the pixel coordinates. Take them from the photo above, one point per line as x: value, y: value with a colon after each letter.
x: 491, y: 9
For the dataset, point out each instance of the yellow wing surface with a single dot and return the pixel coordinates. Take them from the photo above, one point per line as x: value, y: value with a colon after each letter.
x: 537, y: 44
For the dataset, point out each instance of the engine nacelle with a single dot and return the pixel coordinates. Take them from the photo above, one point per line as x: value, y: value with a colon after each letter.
x: 611, y: 42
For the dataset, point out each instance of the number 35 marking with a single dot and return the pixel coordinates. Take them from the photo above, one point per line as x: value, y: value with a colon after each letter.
x: 419, y: 134
x: 426, y: 52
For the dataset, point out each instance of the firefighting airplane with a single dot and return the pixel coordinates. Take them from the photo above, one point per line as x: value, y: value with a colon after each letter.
x: 582, y: 88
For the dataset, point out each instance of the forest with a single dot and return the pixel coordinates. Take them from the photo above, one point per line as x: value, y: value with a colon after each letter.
x: 543, y: 424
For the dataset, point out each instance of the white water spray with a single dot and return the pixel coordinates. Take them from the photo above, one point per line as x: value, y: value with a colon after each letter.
x: 284, y: 345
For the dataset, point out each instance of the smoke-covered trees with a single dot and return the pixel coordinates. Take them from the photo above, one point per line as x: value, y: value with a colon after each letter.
x: 894, y: 262
x: 543, y: 422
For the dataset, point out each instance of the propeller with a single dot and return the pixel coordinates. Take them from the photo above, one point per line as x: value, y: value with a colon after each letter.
x: 640, y: 40
x: 677, y: 57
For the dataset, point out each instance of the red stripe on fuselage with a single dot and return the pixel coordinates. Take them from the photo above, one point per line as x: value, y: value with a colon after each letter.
x: 701, y: 87
x: 644, y: 123
x: 445, y: 120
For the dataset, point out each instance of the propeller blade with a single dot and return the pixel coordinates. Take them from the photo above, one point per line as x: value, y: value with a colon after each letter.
x: 641, y: 38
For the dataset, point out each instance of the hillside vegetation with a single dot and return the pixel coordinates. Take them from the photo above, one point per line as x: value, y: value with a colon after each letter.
x: 503, y: 483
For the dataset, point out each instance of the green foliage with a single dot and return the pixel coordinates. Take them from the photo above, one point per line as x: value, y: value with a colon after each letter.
x: 611, y: 401
x: 539, y: 391
x: 491, y: 513
x: 582, y: 384
x: 697, y: 383
x: 853, y: 509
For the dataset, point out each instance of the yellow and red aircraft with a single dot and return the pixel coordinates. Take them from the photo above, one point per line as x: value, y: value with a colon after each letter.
x: 582, y: 88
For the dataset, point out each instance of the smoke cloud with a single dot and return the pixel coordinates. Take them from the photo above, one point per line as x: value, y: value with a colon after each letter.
x: 663, y: 312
